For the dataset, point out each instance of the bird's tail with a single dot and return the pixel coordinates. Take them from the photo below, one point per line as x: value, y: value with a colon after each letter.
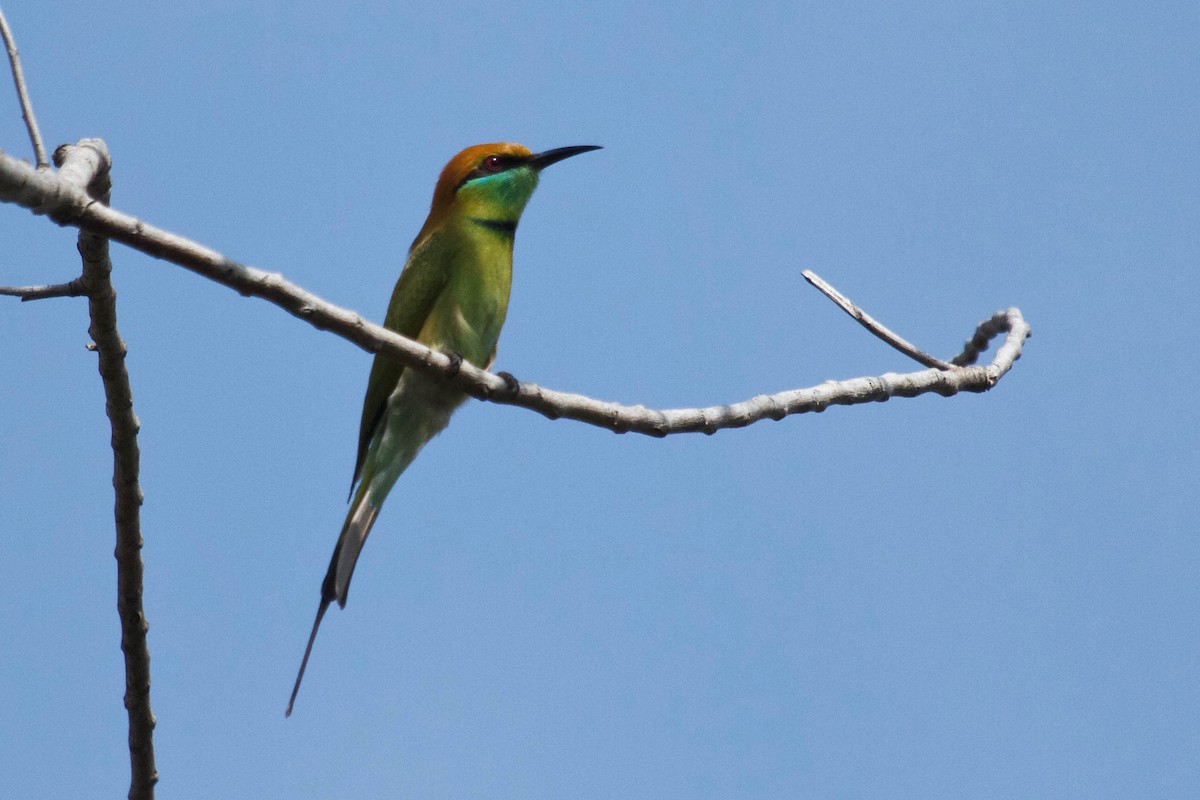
x: 312, y: 637
x: 392, y: 450
x: 359, y: 520
x: 341, y: 567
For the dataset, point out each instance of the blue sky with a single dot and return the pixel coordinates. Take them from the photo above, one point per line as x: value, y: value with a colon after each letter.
x: 986, y: 596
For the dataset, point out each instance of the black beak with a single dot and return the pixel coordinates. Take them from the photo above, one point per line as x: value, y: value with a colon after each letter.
x: 539, y: 161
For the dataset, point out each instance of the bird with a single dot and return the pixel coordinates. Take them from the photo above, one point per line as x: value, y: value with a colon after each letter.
x: 452, y: 296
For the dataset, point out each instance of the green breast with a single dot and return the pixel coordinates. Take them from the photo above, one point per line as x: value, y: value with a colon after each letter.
x: 472, y: 308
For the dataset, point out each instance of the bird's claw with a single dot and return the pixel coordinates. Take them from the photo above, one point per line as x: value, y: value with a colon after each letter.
x: 512, y: 385
x: 455, y: 363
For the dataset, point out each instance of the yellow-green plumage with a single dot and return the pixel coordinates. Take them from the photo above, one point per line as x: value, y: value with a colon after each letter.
x: 451, y: 296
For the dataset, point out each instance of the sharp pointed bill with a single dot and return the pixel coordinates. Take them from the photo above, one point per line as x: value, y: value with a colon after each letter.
x: 540, y: 161
x: 452, y: 295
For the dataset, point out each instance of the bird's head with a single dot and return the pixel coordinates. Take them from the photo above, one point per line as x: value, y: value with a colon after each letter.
x: 493, y: 181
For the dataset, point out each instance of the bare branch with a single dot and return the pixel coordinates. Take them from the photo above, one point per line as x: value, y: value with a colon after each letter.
x: 86, y: 166
x: 45, y: 193
x: 988, y: 330
x: 875, y: 327
x: 14, y: 60
x: 69, y: 289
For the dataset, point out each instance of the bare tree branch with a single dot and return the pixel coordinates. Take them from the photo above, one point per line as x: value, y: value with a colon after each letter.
x: 72, y: 288
x: 989, y: 329
x: 86, y: 166
x: 14, y: 60
x: 869, y: 322
x: 45, y: 193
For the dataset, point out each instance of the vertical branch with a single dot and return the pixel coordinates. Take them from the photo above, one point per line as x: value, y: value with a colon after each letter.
x: 14, y: 60
x: 88, y: 164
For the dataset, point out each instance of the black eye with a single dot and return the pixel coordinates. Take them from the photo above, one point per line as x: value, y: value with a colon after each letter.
x: 492, y: 164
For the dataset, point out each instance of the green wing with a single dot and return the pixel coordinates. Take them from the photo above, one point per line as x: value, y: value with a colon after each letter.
x: 420, y: 284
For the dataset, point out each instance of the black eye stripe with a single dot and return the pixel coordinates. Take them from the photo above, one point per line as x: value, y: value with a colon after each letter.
x: 506, y: 163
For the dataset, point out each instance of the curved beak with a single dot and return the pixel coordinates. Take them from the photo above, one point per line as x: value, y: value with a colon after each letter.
x: 539, y: 161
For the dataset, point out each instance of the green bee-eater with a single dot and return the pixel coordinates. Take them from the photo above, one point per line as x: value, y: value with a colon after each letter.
x: 452, y: 296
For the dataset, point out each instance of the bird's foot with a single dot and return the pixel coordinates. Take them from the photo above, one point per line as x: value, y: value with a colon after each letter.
x: 512, y: 386
x: 455, y: 362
